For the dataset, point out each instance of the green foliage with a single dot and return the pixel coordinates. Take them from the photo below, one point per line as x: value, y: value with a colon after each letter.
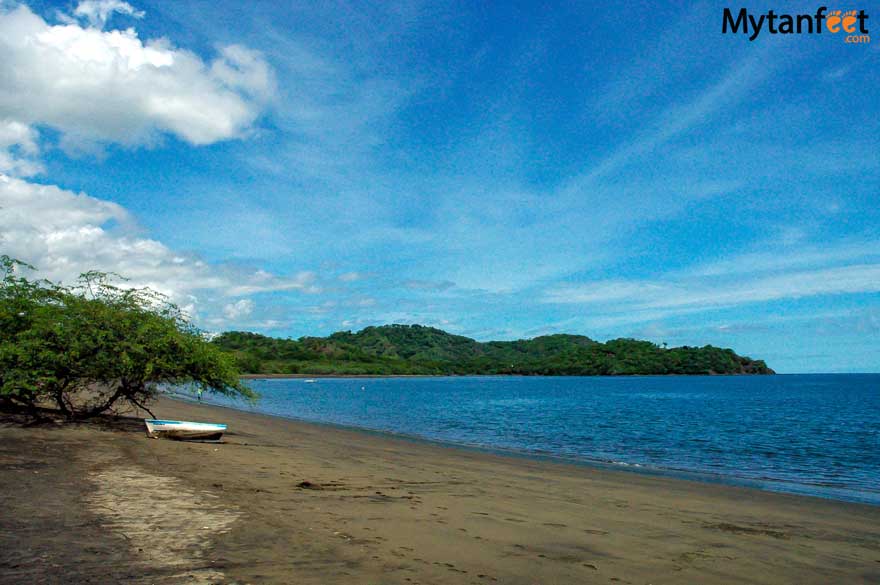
x: 415, y: 349
x: 86, y: 348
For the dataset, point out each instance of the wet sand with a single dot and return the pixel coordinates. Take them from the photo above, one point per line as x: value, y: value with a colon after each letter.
x: 287, y: 502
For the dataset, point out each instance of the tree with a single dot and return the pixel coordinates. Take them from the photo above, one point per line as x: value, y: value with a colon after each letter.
x: 22, y: 304
x: 89, y: 347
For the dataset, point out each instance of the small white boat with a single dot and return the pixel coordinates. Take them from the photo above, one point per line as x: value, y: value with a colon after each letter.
x: 310, y: 381
x: 184, y: 430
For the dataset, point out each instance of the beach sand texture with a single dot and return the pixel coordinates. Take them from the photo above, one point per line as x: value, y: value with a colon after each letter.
x: 280, y: 501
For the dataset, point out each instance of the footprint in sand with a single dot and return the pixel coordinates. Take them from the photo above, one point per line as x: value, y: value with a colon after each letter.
x: 451, y: 567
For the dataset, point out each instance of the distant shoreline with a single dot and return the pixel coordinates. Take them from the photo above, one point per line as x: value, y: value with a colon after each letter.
x: 310, y: 376
x: 315, y: 376
x: 416, y: 350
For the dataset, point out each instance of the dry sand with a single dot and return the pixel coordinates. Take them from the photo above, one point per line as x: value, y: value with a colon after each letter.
x: 286, y: 502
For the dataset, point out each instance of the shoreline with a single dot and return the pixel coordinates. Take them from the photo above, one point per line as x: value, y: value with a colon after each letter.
x: 765, y: 485
x: 309, y: 376
x: 296, y: 501
x: 345, y: 376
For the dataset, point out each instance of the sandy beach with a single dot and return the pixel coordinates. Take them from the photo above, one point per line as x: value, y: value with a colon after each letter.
x: 280, y: 501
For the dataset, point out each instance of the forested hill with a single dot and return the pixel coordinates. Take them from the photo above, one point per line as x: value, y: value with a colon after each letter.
x: 415, y: 349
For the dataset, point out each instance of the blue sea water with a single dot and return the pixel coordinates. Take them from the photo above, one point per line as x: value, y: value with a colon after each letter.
x: 808, y: 434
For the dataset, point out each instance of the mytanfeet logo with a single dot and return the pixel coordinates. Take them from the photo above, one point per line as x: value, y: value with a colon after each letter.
x: 851, y: 25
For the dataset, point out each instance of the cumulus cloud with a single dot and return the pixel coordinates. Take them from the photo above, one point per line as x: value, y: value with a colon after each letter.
x: 97, y: 86
x: 94, y: 86
x: 64, y: 234
x: 238, y: 309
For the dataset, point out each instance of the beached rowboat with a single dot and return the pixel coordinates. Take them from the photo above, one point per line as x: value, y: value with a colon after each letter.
x: 183, y: 430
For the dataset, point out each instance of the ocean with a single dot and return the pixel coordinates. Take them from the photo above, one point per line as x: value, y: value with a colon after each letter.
x: 806, y: 434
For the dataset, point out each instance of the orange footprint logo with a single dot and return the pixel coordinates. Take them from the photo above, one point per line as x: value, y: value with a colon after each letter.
x: 849, y: 21
x: 832, y: 22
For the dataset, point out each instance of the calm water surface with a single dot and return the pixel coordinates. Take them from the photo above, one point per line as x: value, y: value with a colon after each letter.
x: 809, y: 434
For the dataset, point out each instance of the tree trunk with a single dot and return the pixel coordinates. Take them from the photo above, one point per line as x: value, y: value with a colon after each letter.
x: 102, y: 407
x: 59, y: 400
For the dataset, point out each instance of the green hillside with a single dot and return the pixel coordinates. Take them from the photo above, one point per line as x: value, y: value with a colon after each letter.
x: 415, y: 349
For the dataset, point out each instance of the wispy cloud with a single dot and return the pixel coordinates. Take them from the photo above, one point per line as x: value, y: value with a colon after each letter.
x: 797, y: 255
x: 438, y: 285
x: 351, y: 276
x: 681, y: 117
x: 695, y: 294
x: 98, y: 12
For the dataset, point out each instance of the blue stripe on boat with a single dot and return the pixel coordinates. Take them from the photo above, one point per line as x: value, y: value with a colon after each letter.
x: 183, y: 422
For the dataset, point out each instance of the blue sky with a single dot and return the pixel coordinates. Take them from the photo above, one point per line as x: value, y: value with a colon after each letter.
x: 496, y: 171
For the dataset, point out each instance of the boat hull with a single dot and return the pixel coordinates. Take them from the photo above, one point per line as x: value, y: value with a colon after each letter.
x: 182, y: 430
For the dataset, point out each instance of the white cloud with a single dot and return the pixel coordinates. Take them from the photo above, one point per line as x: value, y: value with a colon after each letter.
x: 97, y: 12
x: 778, y: 258
x: 679, y: 118
x: 238, y: 309
x: 99, y: 86
x: 606, y: 291
x: 18, y: 149
x: 661, y: 298
x: 245, y: 69
x: 859, y: 278
x: 438, y: 285
x: 262, y: 281
x: 95, y: 87
x: 64, y: 234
